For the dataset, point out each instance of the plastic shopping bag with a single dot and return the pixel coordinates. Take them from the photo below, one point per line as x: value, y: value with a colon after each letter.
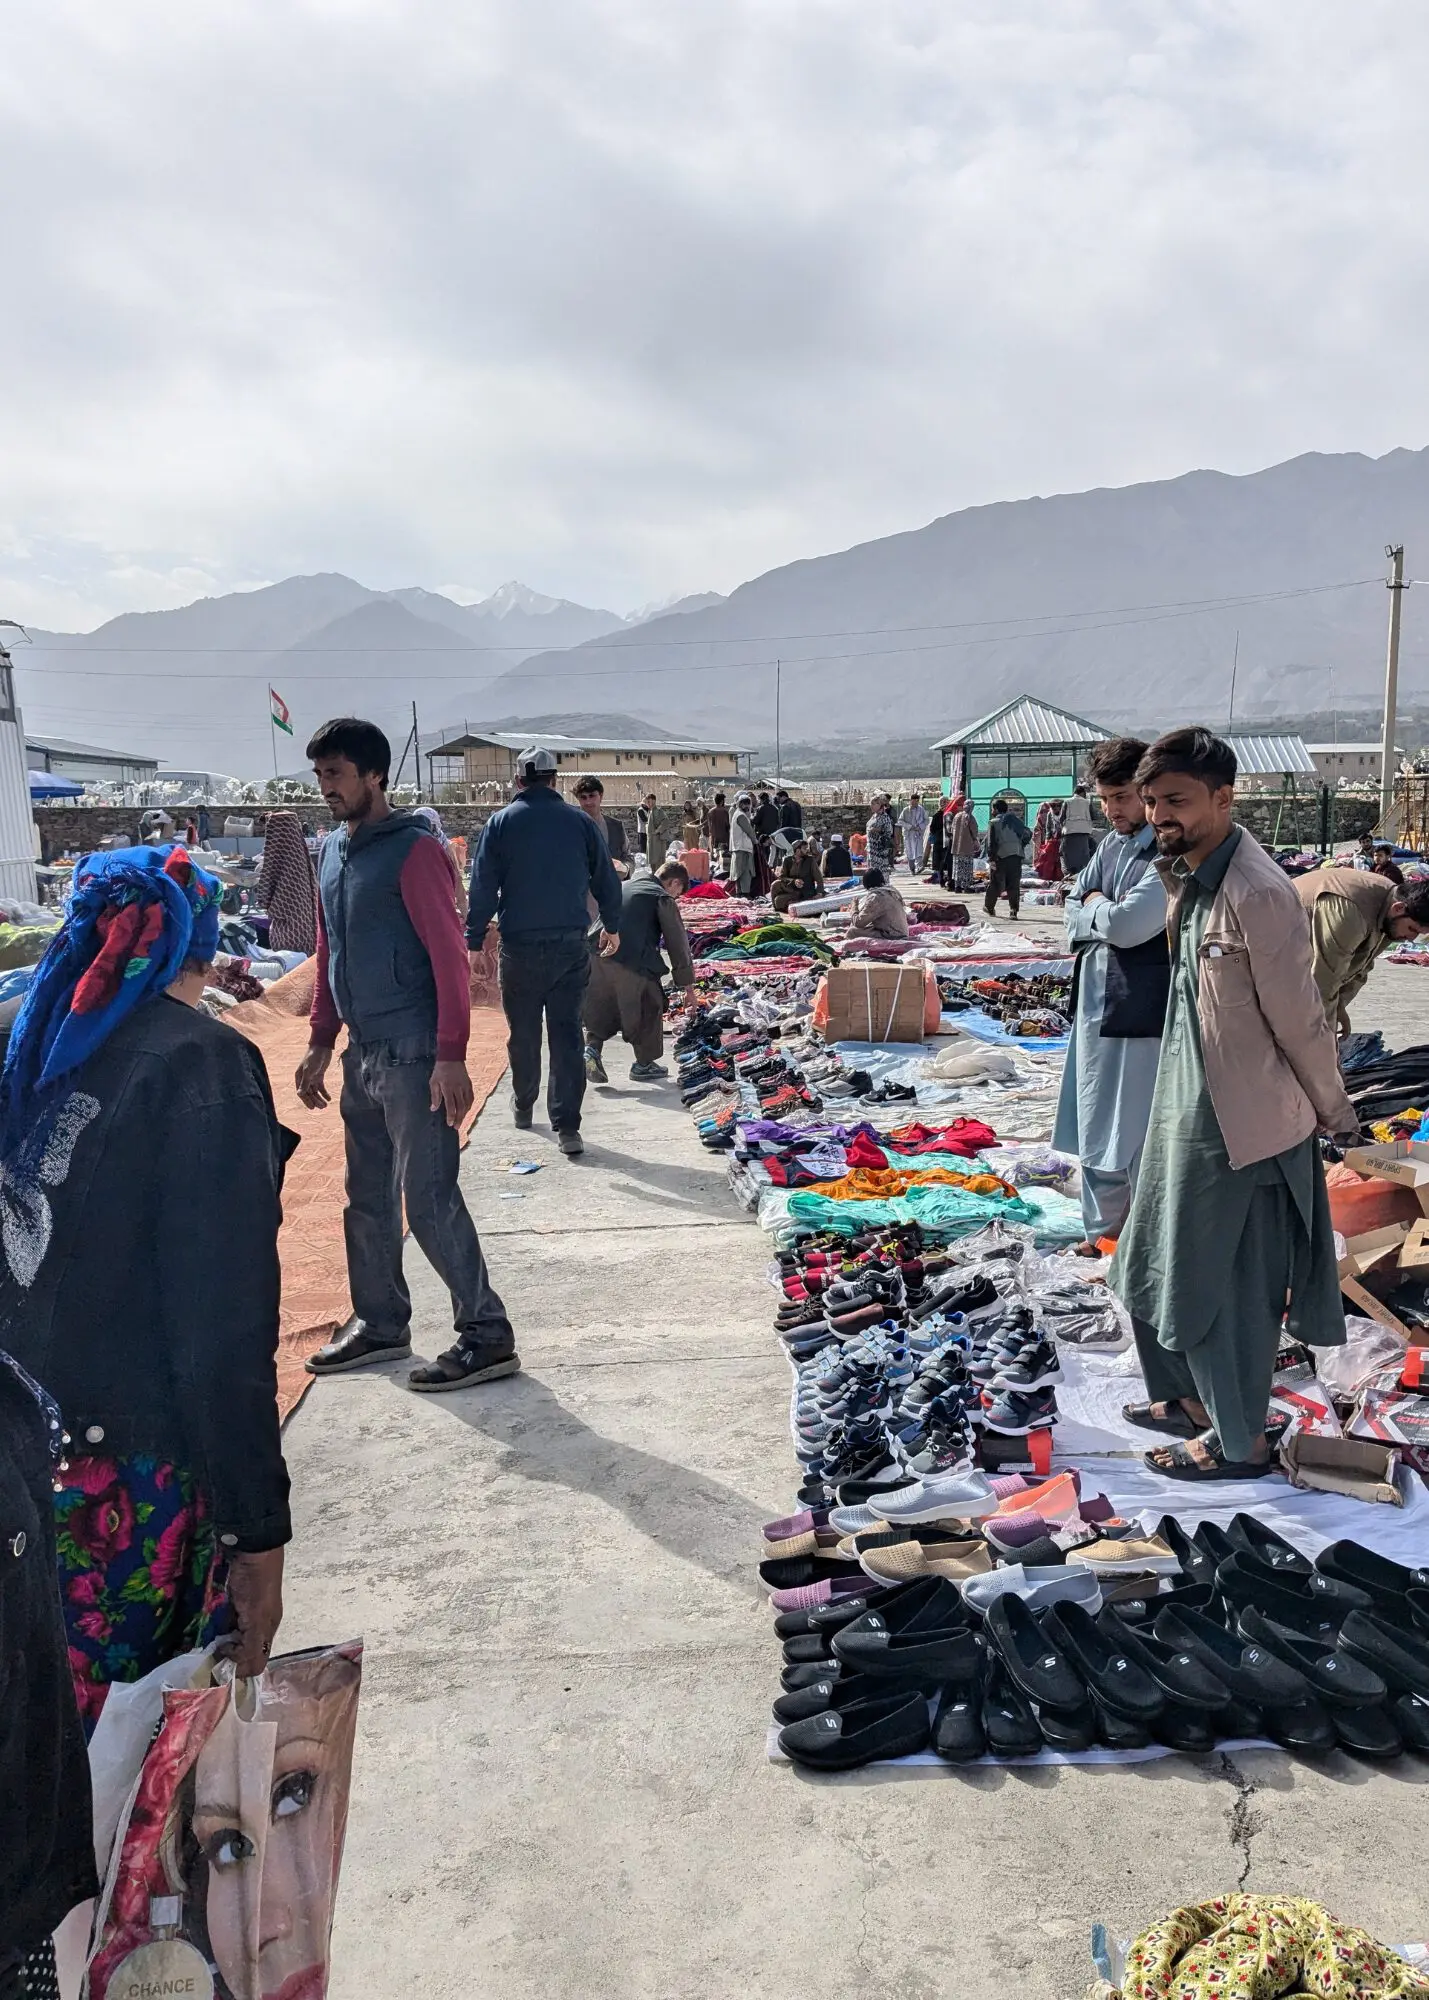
x: 120, y: 1743
x: 224, y: 1871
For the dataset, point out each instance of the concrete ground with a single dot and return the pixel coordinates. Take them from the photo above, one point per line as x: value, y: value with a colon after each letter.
x: 561, y: 1785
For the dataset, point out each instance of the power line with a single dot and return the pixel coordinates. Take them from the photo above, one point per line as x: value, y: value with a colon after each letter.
x: 1107, y: 622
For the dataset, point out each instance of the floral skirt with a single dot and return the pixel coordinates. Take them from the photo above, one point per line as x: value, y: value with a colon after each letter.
x: 142, y: 1575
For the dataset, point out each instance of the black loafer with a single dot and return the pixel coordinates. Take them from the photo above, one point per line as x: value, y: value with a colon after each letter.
x: 1068, y: 1728
x: 807, y: 1672
x: 1213, y: 1542
x: 1247, y: 1670
x: 1399, y: 1655
x: 358, y: 1345
x: 1336, y: 1677
x: 1032, y: 1655
x: 1385, y: 1581
x: 1411, y: 1714
x: 1317, y: 1605
x: 1418, y: 1601
x: 842, y: 1739
x: 1192, y: 1730
x: 924, y: 1631
x: 827, y: 1617
x: 806, y: 1646
x: 1304, y: 1726
x: 1255, y: 1539
x: 1118, y: 1732
x: 831, y: 1692
x: 1368, y: 1732
x: 1181, y: 1677
x: 1196, y: 1565
x: 1241, y: 1722
x: 1103, y: 1662
x: 1007, y: 1719
x: 958, y: 1733
x: 793, y: 1572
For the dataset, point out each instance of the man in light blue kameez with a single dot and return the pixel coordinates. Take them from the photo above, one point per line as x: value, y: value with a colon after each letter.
x: 1116, y: 924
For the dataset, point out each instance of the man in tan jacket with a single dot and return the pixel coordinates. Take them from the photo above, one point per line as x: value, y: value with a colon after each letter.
x: 1230, y: 1216
x: 1355, y: 916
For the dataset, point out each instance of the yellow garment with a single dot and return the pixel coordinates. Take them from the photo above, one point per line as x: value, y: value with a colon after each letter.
x: 1262, y: 1948
x: 887, y: 1183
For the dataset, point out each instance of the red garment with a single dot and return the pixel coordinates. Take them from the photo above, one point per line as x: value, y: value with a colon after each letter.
x: 861, y: 1152
x: 713, y: 891
x: 1048, y: 865
x: 965, y: 1136
x: 426, y: 886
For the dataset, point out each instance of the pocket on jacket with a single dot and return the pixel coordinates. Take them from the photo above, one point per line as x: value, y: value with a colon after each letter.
x: 1224, y: 967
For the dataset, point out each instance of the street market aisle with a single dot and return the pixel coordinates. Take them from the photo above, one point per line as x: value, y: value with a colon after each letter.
x: 561, y: 1787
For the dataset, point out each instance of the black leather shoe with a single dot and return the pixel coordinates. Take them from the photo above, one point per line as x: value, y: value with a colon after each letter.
x: 1398, y: 1654
x: 1368, y: 1732
x: 837, y: 1739
x: 1007, y: 1719
x: 359, y: 1346
x: 1336, y: 1677
x: 1255, y: 1539
x: 1032, y: 1655
x: 1247, y: 1670
x: 1103, y: 1661
x: 1182, y: 1678
x: 958, y: 1733
x: 1385, y: 1581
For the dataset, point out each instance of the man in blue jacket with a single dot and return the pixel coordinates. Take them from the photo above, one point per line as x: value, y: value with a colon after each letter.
x: 537, y: 861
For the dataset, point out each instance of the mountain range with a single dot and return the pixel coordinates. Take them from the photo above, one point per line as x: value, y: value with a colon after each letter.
x: 1136, y: 604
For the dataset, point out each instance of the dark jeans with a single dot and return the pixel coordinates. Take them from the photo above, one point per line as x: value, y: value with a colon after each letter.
x: 399, y: 1148
x: 545, y: 978
x: 1004, y: 879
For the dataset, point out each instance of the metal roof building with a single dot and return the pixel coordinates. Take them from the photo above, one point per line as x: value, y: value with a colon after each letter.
x: 1272, y: 757
x: 1027, y: 746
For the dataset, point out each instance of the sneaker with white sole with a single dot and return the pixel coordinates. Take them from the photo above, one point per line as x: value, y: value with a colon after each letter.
x: 1037, y: 1586
x: 964, y: 1495
x: 1033, y: 1367
x: 1015, y: 1415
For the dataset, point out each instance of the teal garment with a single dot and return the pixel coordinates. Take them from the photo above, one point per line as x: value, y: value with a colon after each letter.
x: 943, y: 1211
x: 1210, y: 1253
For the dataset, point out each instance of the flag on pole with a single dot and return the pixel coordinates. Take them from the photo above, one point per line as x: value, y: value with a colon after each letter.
x: 278, y: 712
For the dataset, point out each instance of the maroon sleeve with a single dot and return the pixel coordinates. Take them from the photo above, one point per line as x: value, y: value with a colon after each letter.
x: 431, y: 904
x: 323, y: 1017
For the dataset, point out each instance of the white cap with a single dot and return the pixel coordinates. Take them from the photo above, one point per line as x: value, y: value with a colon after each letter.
x: 534, y: 759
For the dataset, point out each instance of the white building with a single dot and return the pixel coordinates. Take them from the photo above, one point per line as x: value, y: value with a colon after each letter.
x: 1334, y: 761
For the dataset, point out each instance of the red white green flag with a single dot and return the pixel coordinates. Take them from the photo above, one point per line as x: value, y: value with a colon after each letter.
x: 278, y: 712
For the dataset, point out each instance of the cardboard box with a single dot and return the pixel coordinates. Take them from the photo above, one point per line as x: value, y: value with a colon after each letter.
x: 1415, y: 1254
x: 1403, y: 1160
x: 1361, y: 1252
x: 1350, y: 1466
x: 875, y: 1003
x: 1373, y: 1308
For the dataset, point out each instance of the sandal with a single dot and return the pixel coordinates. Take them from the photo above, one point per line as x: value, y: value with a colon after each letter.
x: 1178, y: 1462
x: 1167, y: 1417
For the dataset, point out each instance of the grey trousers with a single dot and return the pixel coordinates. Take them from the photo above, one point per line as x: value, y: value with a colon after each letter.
x: 1106, y: 1199
x: 913, y: 852
x: 742, y: 870
x: 399, y: 1149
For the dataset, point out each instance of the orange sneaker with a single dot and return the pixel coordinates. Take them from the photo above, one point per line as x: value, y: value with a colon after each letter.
x: 1057, y: 1499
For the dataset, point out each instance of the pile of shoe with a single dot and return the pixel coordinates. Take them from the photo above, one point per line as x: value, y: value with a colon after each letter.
x: 933, y: 1638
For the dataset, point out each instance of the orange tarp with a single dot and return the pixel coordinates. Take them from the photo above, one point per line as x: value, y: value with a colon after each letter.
x: 310, y: 1245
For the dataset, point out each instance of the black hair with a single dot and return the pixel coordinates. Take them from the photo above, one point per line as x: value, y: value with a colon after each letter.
x: 362, y: 743
x: 874, y: 878
x: 1115, y: 762
x: 1196, y: 752
x: 669, y: 868
x: 1414, y: 899
x: 719, y: 798
x: 588, y: 784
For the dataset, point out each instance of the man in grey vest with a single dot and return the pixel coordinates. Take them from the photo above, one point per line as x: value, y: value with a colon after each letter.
x: 536, y: 863
x: 391, y: 968
x: 626, y: 995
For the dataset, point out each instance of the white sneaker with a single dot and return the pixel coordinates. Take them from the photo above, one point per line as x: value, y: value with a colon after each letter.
x: 955, y: 1495
x: 1050, y: 1585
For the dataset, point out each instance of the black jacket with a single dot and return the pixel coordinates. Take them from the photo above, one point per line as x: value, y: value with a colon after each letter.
x: 46, y: 1824
x: 142, y: 1289
x: 766, y: 820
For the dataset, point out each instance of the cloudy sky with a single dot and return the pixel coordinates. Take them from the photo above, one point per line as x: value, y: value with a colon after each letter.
x: 627, y: 297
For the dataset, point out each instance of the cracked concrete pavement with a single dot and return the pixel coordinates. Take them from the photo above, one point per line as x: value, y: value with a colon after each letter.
x: 561, y: 1785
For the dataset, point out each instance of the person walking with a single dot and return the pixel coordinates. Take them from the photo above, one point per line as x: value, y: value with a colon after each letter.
x: 392, y: 969
x: 287, y: 886
x: 626, y: 994
x: 962, y: 839
x: 1354, y: 917
x: 718, y: 835
x: 590, y: 797
x: 1116, y: 925
x: 1079, y: 830
x: 1007, y: 838
x: 1231, y: 1214
x: 743, y: 856
x: 913, y: 824
x: 878, y: 833
x: 537, y: 864
x: 644, y: 824
x: 150, y: 1314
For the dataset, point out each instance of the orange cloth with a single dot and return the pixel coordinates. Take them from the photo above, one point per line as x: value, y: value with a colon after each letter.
x: 858, y: 846
x: 887, y: 1183
x: 697, y: 863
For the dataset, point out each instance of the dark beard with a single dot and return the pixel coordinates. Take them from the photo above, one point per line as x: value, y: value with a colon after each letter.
x: 1172, y: 843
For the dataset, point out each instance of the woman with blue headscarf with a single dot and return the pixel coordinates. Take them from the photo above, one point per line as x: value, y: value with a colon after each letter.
x: 146, y: 1302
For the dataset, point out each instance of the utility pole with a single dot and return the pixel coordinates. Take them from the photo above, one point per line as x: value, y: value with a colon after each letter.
x: 1235, y: 662
x: 778, y: 740
x: 1396, y: 587
x: 417, y: 744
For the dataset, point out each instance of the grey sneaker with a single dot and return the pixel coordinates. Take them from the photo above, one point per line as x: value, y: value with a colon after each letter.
x: 651, y: 1072
x: 520, y: 1116
x: 594, y: 1067
x: 570, y: 1143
